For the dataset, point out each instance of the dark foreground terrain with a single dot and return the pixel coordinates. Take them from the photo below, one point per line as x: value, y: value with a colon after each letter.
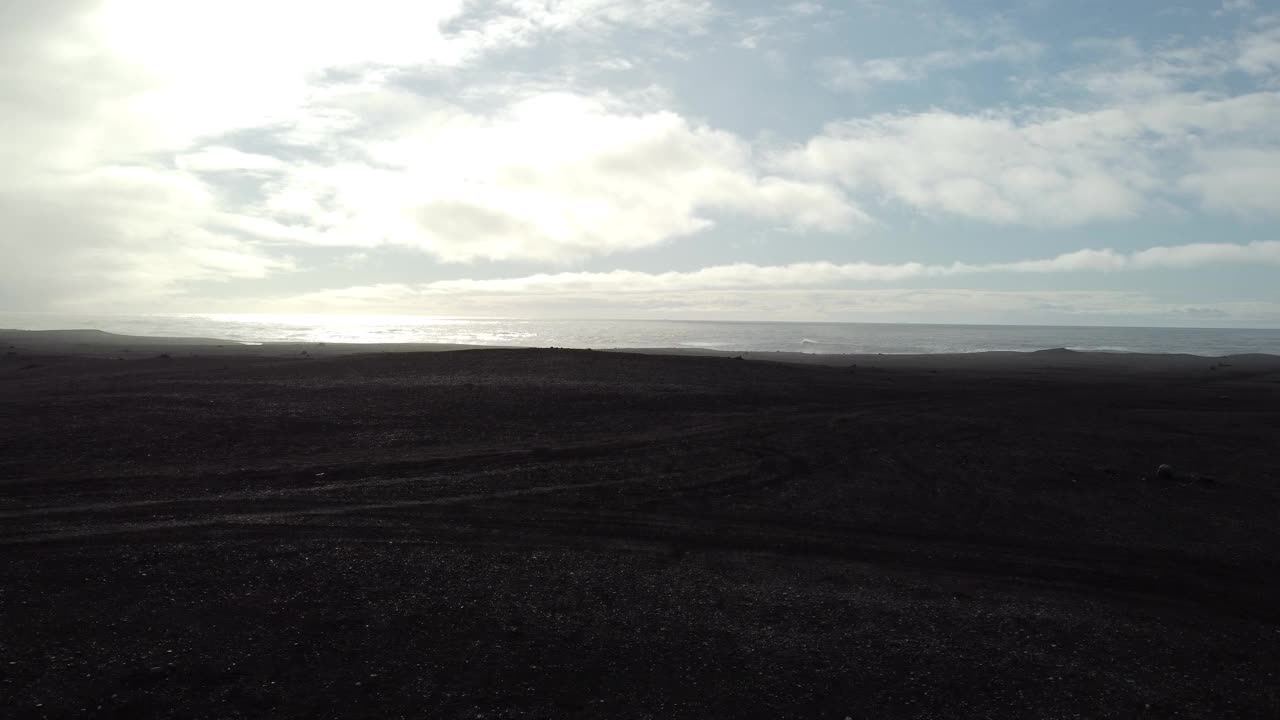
x: 552, y: 533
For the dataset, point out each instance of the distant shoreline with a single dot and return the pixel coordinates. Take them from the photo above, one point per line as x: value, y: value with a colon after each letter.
x: 398, y: 333
x: 102, y: 344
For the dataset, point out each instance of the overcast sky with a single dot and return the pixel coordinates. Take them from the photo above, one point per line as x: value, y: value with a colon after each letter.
x: 1038, y: 161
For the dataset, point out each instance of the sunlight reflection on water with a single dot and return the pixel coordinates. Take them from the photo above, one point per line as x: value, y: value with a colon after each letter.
x: 818, y: 338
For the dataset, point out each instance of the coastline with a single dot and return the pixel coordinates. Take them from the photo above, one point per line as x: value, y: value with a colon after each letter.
x: 97, y: 343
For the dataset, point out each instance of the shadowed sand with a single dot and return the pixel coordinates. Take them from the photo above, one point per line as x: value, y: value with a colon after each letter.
x: 196, y: 528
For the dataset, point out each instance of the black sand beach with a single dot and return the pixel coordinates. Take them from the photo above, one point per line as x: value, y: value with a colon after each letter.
x: 203, y: 529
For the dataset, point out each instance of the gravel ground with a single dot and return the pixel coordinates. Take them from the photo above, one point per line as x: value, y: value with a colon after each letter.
x: 551, y: 533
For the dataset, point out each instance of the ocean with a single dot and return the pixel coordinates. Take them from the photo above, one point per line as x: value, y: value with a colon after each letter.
x: 824, y: 338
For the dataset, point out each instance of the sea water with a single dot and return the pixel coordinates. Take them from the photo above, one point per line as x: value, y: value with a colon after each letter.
x: 824, y: 338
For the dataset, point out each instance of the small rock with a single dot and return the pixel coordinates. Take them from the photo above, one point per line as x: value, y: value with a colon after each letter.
x: 1165, y: 472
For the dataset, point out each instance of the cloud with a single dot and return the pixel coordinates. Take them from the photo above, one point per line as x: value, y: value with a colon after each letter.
x: 995, y: 167
x: 819, y: 290
x: 743, y: 276
x: 595, y: 16
x: 1236, y: 6
x: 1237, y: 180
x: 116, y: 237
x: 552, y: 177
x: 850, y: 75
x: 1120, y: 69
x: 1260, y: 51
x: 154, y: 148
x: 121, y: 77
x: 1048, y: 166
x: 132, y: 115
x: 1161, y: 257
x: 805, y: 9
x: 218, y: 158
x: 92, y: 82
x: 967, y: 305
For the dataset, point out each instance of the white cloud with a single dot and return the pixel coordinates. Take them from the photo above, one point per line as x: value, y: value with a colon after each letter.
x: 859, y: 75
x: 805, y: 8
x: 1161, y: 257
x: 155, y: 145
x: 117, y: 236
x: 1239, y: 180
x: 1237, y: 6
x: 159, y: 74
x: 218, y: 158
x: 595, y: 16
x: 125, y: 112
x: 1118, y: 68
x: 1047, y: 166
x: 553, y: 177
x: 615, y: 65
x: 819, y: 290
x: 993, y: 167
x: 744, y: 276
x: 94, y: 82
x: 1121, y: 70
x: 966, y: 305
x: 1260, y: 51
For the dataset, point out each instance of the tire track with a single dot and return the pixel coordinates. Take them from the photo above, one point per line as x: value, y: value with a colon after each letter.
x: 276, y: 515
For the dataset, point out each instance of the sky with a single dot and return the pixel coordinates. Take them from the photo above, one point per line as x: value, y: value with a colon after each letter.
x: 1024, y: 161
